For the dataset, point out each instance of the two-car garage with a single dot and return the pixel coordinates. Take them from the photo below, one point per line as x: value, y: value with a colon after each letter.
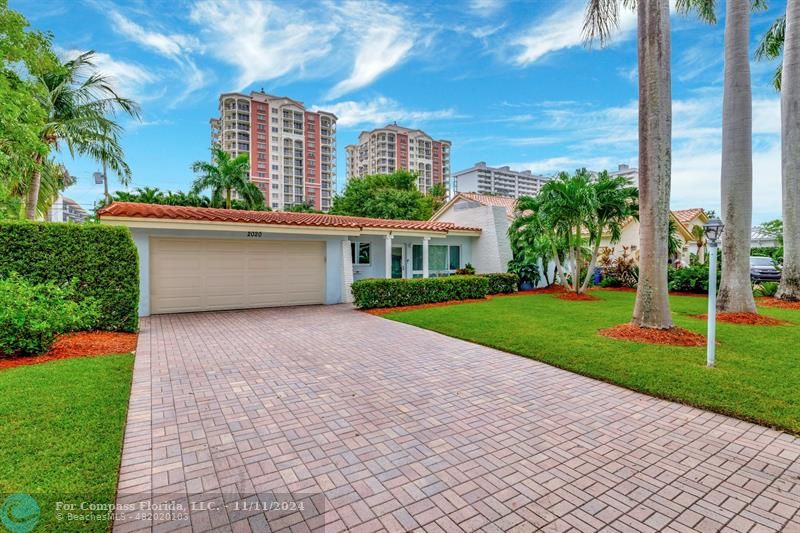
x: 202, y: 274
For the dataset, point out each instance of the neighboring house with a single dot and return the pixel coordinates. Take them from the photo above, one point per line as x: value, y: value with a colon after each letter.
x: 760, y: 239
x: 685, y: 220
x: 502, y: 181
x: 493, y: 214
x: 391, y: 148
x: 66, y: 210
x: 203, y: 259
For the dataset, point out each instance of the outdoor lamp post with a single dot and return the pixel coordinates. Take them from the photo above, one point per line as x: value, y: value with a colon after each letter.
x: 713, y: 229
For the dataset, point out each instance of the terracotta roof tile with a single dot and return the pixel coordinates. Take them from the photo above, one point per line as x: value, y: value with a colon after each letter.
x: 138, y: 210
x: 685, y: 216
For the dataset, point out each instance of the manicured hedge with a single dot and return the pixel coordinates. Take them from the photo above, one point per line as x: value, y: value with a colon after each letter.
x: 502, y: 283
x: 371, y: 293
x: 103, y: 259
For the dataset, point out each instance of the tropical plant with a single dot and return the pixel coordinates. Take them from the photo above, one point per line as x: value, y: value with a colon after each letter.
x: 774, y: 229
x: 25, y: 55
x: 699, y: 235
x: 674, y: 243
x: 614, y: 202
x: 150, y: 195
x: 79, y: 105
x: 390, y: 196
x: 526, y: 270
x: 304, y: 207
x: 530, y: 240
x: 225, y: 175
x: 655, y: 139
x: 468, y: 270
x: 771, y: 47
x: 765, y: 288
x: 735, y: 291
x: 790, y: 147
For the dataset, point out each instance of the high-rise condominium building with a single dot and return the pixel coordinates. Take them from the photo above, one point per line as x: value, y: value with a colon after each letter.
x: 501, y: 181
x: 385, y: 150
x: 292, y: 150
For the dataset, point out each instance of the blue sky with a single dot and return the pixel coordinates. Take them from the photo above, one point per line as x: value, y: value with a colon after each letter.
x: 508, y: 82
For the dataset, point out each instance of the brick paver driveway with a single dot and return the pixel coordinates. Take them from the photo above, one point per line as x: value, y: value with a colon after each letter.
x: 402, y: 428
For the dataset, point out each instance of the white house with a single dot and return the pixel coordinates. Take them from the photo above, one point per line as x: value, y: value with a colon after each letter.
x: 685, y: 220
x: 493, y: 214
x: 202, y: 259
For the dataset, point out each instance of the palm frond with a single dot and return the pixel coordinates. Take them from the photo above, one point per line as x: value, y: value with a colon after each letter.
x: 705, y: 9
x: 771, y: 44
x: 601, y: 20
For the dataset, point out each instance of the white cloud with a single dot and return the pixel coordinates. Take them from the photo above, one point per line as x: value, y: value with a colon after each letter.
x: 384, y: 40
x: 561, y: 30
x: 380, y: 111
x: 128, y: 79
x: 486, y: 8
x: 171, y: 45
x: 264, y: 41
x: 175, y: 46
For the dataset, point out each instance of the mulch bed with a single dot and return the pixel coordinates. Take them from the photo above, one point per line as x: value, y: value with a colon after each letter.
x: 81, y: 344
x: 575, y: 297
x: 753, y: 319
x: 769, y: 301
x: 673, y: 336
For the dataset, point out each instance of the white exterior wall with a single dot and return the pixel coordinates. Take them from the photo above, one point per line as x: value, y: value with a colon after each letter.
x: 377, y: 266
x: 491, y: 252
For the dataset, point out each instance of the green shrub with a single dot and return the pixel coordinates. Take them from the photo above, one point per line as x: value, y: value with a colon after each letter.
x: 610, y: 281
x: 689, y: 279
x: 31, y: 315
x: 526, y: 270
x: 371, y: 293
x: 502, y: 283
x: 765, y: 288
x: 468, y: 270
x: 776, y: 253
x: 103, y: 259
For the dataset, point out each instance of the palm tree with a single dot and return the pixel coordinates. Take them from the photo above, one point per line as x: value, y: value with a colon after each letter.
x: 699, y: 235
x: 790, y: 146
x: 655, y: 140
x: 532, y: 223
x: 80, y: 107
x: 615, y: 201
x: 771, y: 47
x: 150, y: 195
x: 223, y: 176
x: 674, y: 243
x: 735, y: 290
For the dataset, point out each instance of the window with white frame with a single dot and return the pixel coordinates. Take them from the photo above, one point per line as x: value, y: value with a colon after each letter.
x: 443, y: 260
x: 360, y: 253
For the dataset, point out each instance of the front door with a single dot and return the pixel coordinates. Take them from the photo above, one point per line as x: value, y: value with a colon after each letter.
x: 397, y: 261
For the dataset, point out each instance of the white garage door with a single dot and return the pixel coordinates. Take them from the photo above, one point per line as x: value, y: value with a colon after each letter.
x: 211, y: 274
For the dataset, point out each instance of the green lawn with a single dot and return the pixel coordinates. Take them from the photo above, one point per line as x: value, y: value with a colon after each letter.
x: 758, y: 367
x: 61, y: 428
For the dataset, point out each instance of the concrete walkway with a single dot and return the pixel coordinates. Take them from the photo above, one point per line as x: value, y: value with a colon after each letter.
x: 323, y: 417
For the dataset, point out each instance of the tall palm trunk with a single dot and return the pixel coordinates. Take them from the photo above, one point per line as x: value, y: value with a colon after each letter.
x: 559, y: 269
x: 228, y: 198
x: 790, y: 148
x: 592, y: 263
x: 33, y: 189
x: 655, y: 163
x: 735, y: 290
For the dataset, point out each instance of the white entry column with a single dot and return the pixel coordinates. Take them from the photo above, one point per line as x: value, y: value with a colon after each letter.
x: 425, y: 272
x: 388, y: 246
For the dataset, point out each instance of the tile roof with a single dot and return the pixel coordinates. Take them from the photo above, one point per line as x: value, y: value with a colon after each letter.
x: 138, y: 210
x: 507, y: 202
x: 685, y: 216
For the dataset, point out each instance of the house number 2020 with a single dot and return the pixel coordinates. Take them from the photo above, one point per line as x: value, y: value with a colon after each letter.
x: 254, y: 234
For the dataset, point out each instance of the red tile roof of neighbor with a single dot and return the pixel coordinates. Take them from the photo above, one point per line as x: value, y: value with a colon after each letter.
x: 209, y: 214
x: 685, y: 216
